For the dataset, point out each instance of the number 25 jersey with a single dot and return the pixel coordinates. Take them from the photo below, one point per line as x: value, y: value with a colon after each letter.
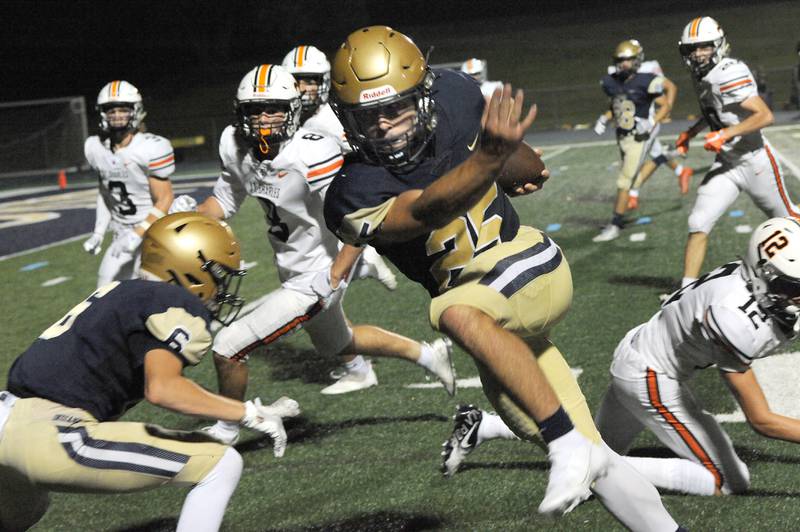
x: 362, y: 194
x: 123, y: 174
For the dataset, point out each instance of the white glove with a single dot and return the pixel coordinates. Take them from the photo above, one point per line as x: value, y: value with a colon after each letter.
x: 600, y: 125
x: 183, y: 203
x: 126, y: 243
x: 321, y: 285
x: 261, y: 418
x: 94, y: 244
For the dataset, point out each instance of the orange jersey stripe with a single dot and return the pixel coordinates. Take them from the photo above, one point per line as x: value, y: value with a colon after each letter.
x: 735, y: 84
x: 335, y: 165
x: 281, y: 331
x: 301, y: 50
x: 695, y: 27
x: 687, y: 437
x: 162, y: 162
x: 776, y: 173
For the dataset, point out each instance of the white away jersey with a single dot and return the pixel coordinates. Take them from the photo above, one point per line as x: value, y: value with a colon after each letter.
x: 713, y: 321
x: 325, y: 122
x: 123, y: 174
x: 720, y: 94
x: 291, y: 189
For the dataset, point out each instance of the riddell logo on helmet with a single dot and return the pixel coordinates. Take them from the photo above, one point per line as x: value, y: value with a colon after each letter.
x: 377, y: 93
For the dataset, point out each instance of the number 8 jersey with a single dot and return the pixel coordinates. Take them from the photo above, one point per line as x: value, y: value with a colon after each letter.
x: 123, y: 174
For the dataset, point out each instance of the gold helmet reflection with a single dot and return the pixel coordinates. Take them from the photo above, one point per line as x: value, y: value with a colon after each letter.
x: 630, y: 49
x: 375, y: 71
x: 200, y: 254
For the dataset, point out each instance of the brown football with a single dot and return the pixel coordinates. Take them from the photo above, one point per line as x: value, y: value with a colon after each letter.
x: 524, y: 166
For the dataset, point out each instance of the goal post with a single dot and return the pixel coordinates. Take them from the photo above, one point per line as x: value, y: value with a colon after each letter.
x: 42, y: 136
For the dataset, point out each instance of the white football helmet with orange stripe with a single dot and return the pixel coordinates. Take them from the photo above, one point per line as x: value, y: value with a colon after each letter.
x: 269, y: 89
x: 120, y: 93
x: 308, y: 62
x: 702, y: 32
x: 475, y: 68
x: 773, y: 267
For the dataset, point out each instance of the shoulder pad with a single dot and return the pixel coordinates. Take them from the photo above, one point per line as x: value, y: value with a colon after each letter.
x: 320, y: 154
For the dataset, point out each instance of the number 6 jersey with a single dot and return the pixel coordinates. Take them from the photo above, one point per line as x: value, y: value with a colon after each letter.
x: 123, y: 174
x: 291, y: 190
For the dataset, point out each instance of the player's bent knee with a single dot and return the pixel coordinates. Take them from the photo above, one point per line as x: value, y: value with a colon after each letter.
x: 228, y: 338
x: 699, y: 223
x: 457, y: 320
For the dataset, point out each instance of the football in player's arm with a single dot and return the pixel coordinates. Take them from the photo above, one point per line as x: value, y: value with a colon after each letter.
x: 128, y: 341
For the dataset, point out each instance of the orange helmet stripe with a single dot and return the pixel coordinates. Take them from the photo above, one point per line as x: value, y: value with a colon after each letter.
x: 262, y: 78
x: 695, y: 27
x: 114, y: 89
x: 301, y: 52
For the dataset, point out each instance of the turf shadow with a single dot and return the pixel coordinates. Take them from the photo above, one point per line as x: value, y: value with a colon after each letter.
x: 289, y: 363
x: 374, y: 522
x: 165, y: 524
x: 667, y: 284
x: 525, y: 466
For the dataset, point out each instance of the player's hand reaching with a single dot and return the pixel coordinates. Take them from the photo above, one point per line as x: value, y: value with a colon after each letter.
x: 503, y: 125
x: 264, y: 419
x: 322, y: 286
x: 183, y: 203
x: 94, y: 244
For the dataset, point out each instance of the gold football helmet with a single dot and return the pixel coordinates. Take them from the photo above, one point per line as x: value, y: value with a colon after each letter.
x: 630, y: 49
x: 380, y: 74
x: 200, y: 254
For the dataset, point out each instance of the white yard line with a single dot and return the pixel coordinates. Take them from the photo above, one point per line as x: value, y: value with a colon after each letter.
x: 46, y: 246
x: 550, y: 154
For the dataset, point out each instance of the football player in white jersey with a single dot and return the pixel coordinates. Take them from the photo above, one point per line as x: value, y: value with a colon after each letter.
x: 288, y: 170
x: 312, y: 70
x: 133, y: 170
x: 476, y: 69
x: 729, y: 317
x: 735, y: 113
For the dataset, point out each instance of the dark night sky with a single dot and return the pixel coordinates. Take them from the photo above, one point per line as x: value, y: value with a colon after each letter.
x: 56, y: 48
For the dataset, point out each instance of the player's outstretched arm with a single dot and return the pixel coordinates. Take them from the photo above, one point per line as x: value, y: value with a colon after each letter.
x: 419, y: 211
x: 750, y: 396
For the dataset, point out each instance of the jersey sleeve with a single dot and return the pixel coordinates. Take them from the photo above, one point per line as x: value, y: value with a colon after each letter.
x: 736, y: 83
x: 229, y: 193
x: 606, y: 84
x: 178, y: 330
x: 88, y: 150
x: 322, y: 158
x: 161, y: 163
x: 656, y: 85
x: 731, y: 330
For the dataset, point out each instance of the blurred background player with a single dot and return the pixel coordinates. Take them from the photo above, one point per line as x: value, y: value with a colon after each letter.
x: 288, y: 170
x: 631, y: 95
x: 735, y: 113
x: 658, y: 154
x: 133, y: 170
x: 477, y: 70
x: 311, y: 69
x: 130, y: 340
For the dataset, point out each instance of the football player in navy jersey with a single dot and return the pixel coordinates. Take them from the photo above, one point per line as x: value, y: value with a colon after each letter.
x: 128, y: 341
x: 424, y: 191
x: 631, y: 94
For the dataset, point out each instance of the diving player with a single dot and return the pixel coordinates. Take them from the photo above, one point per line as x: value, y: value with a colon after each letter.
x: 735, y: 113
x: 128, y: 341
x: 424, y: 193
x: 631, y: 95
x: 288, y: 170
x: 133, y: 170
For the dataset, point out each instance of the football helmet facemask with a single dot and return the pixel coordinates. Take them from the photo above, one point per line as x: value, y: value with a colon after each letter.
x: 116, y: 94
x: 200, y: 254
x: 475, y: 68
x: 702, y: 32
x: 772, y: 268
x: 628, y: 50
x: 382, y: 95
x: 272, y: 90
x: 309, y: 63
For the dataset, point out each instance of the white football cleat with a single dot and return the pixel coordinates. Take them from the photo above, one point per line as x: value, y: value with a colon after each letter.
x: 609, y: 232
x: 352, y: 382
x: 373, y: 265
x: 222, y: 434
x: 573, y: 469
x: 442, y: 366
x: 463, y: 440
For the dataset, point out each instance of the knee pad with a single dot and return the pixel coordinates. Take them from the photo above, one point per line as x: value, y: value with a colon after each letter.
x: 228, y: 340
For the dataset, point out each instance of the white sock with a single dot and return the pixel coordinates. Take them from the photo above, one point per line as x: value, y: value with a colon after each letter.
x: 676, y: 474
x: 228, y: 427
x: 634, y: 193
x: 687, y: 281
x: 678, y: 170
x: 205, y: 504
x: 357, y: 365
x: 493, y: 427
x: 425, y: 356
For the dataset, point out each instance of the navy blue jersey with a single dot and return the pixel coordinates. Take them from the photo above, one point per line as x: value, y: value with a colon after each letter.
x: 93, y: 358
x: 632, y: 96
x: 361, y: 195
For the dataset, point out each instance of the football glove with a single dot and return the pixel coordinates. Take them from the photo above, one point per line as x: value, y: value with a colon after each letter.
x: 682, y: 144
x: 600, y: 125
x: 94, y: 244
x: 261, y: 418
x: 126, y: 243
x: 321, y: 286
x: 715, y: 140
x: 183, y: 203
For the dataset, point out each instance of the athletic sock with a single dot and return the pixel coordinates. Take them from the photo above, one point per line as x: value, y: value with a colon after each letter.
x: 493, y: 427
x: 676, y: 474
x: 205, y: 504
x: 358, y: 365
x: 555, y: 426
x: 425, y: 356
x: 678, y: 170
